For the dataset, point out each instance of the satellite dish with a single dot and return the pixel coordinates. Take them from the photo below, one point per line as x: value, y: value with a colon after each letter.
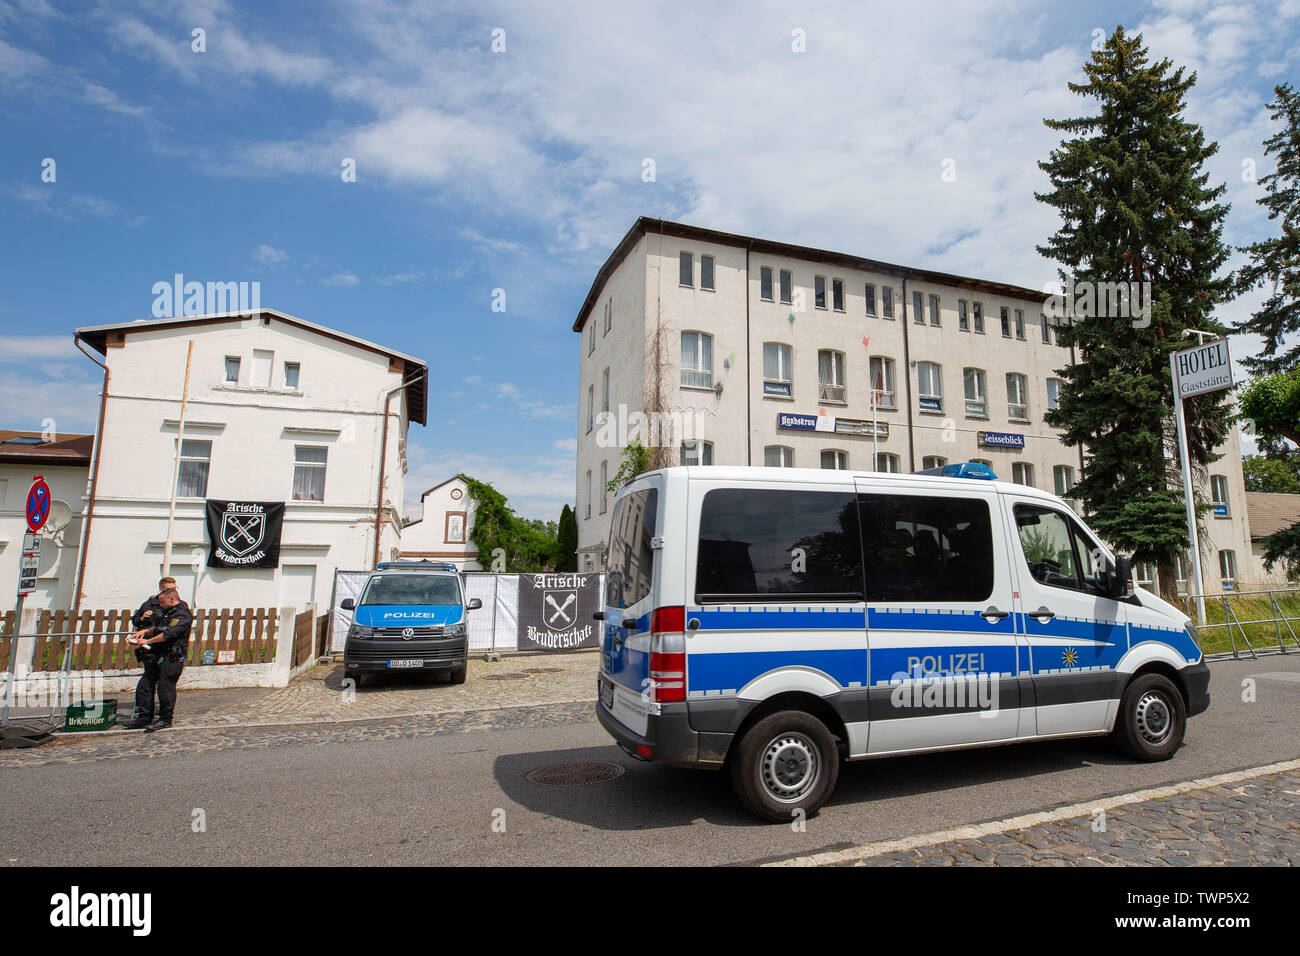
x: 60, y: 515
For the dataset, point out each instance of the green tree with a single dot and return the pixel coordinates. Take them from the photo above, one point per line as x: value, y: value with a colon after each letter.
x: 1277, y: 475
x: 637, y: 459
x: 566, y: 545
x: 1129, y: 183
x: 526, y: 546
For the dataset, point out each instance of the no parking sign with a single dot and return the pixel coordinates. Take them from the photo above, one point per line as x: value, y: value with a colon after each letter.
x: 38, y: 504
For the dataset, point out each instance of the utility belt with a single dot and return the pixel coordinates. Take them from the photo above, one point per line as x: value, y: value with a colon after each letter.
x: 169, y: 652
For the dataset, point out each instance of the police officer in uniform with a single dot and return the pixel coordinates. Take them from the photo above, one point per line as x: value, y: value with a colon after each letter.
x: 148, y: 611
x: 164, y: 642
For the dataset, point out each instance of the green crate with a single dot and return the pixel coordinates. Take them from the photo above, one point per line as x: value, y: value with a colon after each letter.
x: 98, y: 716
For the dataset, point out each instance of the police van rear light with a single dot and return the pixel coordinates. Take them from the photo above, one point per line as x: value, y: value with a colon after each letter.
x: 668, y: 654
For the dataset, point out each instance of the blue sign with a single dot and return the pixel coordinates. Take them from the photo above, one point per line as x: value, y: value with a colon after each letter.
x: 777, y: 388
x: 1002, y: 439
x: 1221, y: 511
x: 38, y: 504
x: 804, y: 423
x: 931, y: 404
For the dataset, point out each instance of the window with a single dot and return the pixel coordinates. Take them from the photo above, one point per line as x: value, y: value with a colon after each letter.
x: 887, y: 462
x: 1219, y: 495
x: 887, y: 302
x: 787, y: 286
x: 974, y: 382
x: 232, y: 370
x: 591, y: 337
x: 1053, y: 393
x: 686, y: 269
x: 706, y: 272
x: 819, y: 291
x: 918, y: 317
x: 1228, y: 568
x: 192, y: 477
x: 777, y: 369
x: 977, y: 312
x: 309, y: 473
x: 291, y: 370
x: 604, y: 486
x: 697, y: 360
x: 963, y: 318
x: 1144, y: 575
x: 934, y: 310
x: 588, y: 497
x: 1017, y: 396
x: 1056, y: 332
x: 630, y: 562
x: 1180, y: 571
x: 830, y: 376
x: 1022, y: 473
x: 871, y: 299
x: 609, y: 315
x: 929, y: 386
x: 748, y: 536
x: 765, y: 283
x: 882, y: 381
x: 778, y: 456
x: 924, y: 548
x: 604, y: 391
x: 1020, y: 324
x: 933, y: 461
x: 1062, y: 480
x: 1057, y: 552
x: 835, y: 460
x: 697, y: 453
x: 591, y: 406
x: 837, y: 295
x: 1042, y: 324
x: 1006, y: 322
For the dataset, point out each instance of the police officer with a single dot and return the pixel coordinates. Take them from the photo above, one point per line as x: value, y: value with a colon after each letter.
x: 148, y: 611
x: 165, y: 642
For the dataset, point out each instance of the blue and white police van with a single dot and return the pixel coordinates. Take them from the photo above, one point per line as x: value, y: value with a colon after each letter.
x: 409, y: 616
x: 778, y: 621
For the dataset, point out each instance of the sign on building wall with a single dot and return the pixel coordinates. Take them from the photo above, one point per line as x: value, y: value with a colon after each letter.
x: 555, y: 611
x: 1001, y: 439
x: 244, y: 534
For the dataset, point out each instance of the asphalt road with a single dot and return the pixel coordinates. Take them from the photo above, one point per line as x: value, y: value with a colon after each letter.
x: 398, y: 799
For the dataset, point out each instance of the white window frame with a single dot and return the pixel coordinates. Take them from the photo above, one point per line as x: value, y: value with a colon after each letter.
x: 933, y: 461
x: 591, y: 407
x: 784, y: 452
x: 297, y: 367
x: 819, y: 292
x: 840, y: 459
x: 786, y: 289
x: 206, y: 458
x: 1023, y: 470
x: 977, y: 406
x: 1053, y: 394
x: 835, y: 391
x: 1018, y: 410
x: 934, y: 311
x: 837, y: 294
x: 869, y: 292
x: 1219, y: 494
x: 936, y: 382
x: 887, y: 302
x: 918, y: 308
x: 977, y: 317
x: 1061, y: 488
x: 237, y: 367
x: 771, y: 289
x: 604, y: 391
x: 963, y: 315
x: 887, y: 396
x: 311, y: 467
x: 711, y: 273
x: 699, y: 375
x: 785, y: 364
x: 682, y: 258
x: 1020, y: 324
x: 699, y: 452
x: 887, y: 458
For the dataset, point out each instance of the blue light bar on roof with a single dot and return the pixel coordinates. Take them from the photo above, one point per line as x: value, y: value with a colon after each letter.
x: 415, y: 566
x: 967, y: 469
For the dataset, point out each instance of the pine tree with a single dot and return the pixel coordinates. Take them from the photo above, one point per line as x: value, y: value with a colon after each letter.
x: 1132, y: 193
x: 1275, y: 263
x: 566, y: 545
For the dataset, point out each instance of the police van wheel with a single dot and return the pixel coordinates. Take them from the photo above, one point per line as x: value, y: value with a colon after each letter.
x: 457, y: 676
x: 1151, y: 719
x: 785, y: 766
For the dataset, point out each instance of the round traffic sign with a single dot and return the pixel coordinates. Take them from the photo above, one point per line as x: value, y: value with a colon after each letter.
x: 38, y: 504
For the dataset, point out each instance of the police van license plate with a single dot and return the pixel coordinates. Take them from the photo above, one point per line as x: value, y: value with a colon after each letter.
x: 606, y: 693
x: 407, y: 662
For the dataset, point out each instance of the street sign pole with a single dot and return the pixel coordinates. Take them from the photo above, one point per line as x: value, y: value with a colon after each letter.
x: 1185, y: 463
x: 37, y: 511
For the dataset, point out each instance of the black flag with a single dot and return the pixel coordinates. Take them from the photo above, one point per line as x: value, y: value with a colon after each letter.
x: 244, y: 534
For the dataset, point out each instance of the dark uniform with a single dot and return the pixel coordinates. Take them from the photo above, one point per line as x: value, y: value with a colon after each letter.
x: 164, y: 661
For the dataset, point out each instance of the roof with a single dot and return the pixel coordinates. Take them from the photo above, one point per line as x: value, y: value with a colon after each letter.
x: 71, y: 450
x: 678, y: 230
x: 439, y: 485
x: 414, y: 369
x: 1268, y: 513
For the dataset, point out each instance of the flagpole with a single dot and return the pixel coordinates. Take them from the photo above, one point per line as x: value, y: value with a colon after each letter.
x: 176, y: 469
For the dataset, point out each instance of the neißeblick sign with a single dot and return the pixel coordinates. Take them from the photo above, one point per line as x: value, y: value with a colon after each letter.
x: 1205, y: 368
x: 555, y: 611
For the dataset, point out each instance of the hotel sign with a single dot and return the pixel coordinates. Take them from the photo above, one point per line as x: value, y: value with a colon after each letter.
x: 1205, y: 368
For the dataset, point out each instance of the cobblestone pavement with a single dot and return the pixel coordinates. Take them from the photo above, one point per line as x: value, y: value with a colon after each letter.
x: 1245, y: 822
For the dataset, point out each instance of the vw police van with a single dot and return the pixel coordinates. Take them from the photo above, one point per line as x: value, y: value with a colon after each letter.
x: 410, y: 616
x: 776, y: 621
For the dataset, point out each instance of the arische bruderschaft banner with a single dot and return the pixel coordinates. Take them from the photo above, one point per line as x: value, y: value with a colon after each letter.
x: 244, y: 534
x: 555, y: 611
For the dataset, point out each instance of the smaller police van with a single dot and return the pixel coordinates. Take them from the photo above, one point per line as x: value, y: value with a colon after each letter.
x: 410, y: 616
x: 778, y: 621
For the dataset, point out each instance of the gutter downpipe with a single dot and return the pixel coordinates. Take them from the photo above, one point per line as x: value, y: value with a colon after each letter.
x: 749, y: 365
x: 383, y: 457
x: 907, y: 372
x: 94, y: 483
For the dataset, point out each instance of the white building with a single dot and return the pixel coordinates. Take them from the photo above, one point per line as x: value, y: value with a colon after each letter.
x: 441, y: 533
x: 279, y: 410
x: 64, y: 462
x: 771, y: 352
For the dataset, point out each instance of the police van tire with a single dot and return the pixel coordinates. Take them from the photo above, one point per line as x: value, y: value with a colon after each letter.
x: 457, y: 676
x: 785, y: 764
x: 1151, y: 719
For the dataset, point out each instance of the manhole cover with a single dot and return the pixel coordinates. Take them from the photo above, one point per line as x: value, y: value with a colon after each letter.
x: 543, y: 670
x: 575, y: 774
x: 505, y: 677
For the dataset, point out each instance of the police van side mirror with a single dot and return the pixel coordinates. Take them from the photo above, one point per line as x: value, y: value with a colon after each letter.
x: 474, y: 604
x: 348, y: 604
x: 1119, y: 579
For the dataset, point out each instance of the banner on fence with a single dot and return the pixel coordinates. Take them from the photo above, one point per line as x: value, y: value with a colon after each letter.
x: 244, y: 534
x: 555, y: 611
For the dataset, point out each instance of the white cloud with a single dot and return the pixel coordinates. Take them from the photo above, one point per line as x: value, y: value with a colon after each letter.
x: 341, y: 279
x: 566, y: 444
x: 270, y: 256
x: 57, y: 201
x: 534, y: 488
x: 25, y: 348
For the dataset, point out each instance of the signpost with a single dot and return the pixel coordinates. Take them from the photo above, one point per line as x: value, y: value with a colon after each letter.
x: 1204, y: 368
x: 37, y: 512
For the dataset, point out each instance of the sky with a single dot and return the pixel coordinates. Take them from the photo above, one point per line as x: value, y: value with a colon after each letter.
x: 501, y: 146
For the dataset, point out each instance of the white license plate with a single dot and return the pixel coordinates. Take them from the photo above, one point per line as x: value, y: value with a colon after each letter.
x: 607, y: 694
x: 407, y: 662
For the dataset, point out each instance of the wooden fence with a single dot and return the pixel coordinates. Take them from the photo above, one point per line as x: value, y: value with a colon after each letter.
x: 98, y: 638
x: 309, y: 637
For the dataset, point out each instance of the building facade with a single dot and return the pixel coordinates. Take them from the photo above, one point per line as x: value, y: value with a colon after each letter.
x: 736, y: 350
x: 278, y: 410
x: 442, y: 531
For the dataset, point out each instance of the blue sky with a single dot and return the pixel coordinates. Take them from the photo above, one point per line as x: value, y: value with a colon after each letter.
x: 520, y: 169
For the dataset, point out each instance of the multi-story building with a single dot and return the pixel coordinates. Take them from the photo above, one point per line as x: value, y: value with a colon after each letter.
x: 746, y: 351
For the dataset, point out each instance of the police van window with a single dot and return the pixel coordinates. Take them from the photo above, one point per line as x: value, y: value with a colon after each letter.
x: 923, y: 548
x: 1057, y: 553
x: 791, y: 545
x: 407, y: 589
x: 630, y: 566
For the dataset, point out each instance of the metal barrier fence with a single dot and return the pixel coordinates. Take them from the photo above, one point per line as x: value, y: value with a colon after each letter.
x: 1235, y: 622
